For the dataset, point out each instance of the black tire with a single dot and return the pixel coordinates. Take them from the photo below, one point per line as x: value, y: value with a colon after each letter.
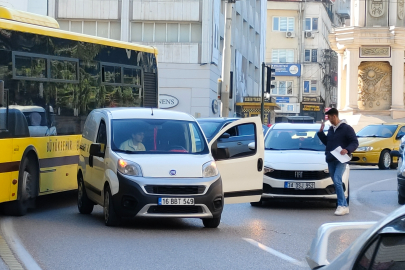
x: 110, y: 216
x: 28, y: 181
x: 211, y: 222
x: 401, y: 199
x: 385, y: 160
x: 348, y: 194
x: 393, y: 166
x: 84, y: 204
x: 333, y: 203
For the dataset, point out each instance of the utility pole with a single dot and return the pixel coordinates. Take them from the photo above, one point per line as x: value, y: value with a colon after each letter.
x: 226, y: 59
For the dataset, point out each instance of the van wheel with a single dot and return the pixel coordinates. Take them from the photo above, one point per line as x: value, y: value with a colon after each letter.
x: 84, y: 204
x: 110, y: 217
x: 385, y: 160
x: 27, y: 189
x: 211, y: 222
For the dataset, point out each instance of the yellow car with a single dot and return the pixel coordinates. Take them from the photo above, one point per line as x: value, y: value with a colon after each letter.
x: 375, y: 144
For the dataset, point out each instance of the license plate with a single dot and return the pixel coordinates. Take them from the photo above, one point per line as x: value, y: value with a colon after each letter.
x: 176, y: 201
x: 299, y: 185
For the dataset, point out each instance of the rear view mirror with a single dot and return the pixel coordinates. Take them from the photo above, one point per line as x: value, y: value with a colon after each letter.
x: 301, y: 134
x: 95, y: 150
x: 395, y: 154
x: 225, y: 136
x: 252, y: 146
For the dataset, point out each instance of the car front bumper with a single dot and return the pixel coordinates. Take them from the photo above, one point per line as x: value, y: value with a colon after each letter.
x: 135, y: 198
x: 365, y: 158
x: 274, y: 188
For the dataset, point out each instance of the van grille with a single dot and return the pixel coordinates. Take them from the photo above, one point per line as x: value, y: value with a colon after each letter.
x: 177, y: 190
x: 299, y: 175
x: 175, y: 209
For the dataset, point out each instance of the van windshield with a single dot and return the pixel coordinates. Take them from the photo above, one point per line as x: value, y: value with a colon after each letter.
x: 157, y: 136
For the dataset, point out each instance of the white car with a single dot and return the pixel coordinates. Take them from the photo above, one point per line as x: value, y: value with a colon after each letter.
x: 138, y: 162
x: 380, y: 247
x: 295, y: 166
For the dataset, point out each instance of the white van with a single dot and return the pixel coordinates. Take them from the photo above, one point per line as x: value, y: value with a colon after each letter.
x: 138, y: 162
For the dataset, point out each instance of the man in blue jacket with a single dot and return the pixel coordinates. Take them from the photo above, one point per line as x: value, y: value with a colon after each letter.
x: 343, y: 135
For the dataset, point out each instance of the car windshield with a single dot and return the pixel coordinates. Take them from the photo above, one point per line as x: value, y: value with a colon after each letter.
x: 209, y: 128
x: 157, y: 136
x: 382, y: 131
x: 293, y: 139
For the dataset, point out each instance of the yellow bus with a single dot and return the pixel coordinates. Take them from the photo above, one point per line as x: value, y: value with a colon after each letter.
x: 50, y: 80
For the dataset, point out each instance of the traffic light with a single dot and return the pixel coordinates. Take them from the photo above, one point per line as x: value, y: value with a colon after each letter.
x: 269, y: 86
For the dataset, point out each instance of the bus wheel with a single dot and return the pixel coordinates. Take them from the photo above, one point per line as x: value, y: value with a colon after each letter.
x: 27, y: 189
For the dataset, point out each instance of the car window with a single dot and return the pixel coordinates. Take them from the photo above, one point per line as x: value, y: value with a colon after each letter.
x: 383, y: 131
x: 157, y: 136
x: 390, y: 253
x: 102, y: 136
x: 246, y: 130
x: 365, y: 261
x: 293, y: 139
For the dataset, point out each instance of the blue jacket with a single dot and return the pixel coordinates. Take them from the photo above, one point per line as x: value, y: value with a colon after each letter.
x: 344, y: 136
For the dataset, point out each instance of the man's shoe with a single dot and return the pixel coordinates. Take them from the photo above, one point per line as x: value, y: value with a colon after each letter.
x: 341, y: 211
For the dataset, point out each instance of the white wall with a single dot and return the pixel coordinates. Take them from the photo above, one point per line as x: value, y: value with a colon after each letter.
x: 17, y: 4
x: 34, y: 6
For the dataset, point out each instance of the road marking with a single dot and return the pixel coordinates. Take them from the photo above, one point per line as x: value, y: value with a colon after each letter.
x: 275, y: 252
x: 6, y: 225
x: 379, y: 213
x: 8, y: 257
x: 353, y: 197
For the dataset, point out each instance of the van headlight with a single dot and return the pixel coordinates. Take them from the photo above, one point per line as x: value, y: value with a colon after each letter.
x: 364, y: 149
x: 129, y: 168
x: 209, y: 169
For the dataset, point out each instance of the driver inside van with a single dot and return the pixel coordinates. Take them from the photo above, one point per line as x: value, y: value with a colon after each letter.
x: 135, y: 142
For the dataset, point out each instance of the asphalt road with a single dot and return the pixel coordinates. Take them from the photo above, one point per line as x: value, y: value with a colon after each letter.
x: 274, y: 236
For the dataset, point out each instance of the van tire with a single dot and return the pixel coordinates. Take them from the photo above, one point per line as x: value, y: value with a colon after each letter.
x: 27, y: 189
x: 84, y: 204
x: 111, y: 218
x: 211, y: 222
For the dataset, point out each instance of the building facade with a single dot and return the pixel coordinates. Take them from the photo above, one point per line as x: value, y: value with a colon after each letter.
x: 34, y: 6
x: 298, y: 48
x: 189, y: 36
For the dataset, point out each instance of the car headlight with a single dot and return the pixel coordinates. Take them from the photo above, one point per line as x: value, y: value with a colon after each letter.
x: 364, y: 148
x: 209, y: 169
x: 129, y: 168
x: 268, y: 170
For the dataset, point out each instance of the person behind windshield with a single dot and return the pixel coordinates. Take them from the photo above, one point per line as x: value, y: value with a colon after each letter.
x: 135, y: 142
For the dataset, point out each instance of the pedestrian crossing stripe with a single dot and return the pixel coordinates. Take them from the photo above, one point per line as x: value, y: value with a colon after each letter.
x: 8, y: 257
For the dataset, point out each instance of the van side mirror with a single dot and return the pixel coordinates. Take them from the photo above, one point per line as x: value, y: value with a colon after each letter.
x: 219, y: 153
x: 395, y: 154
x: 95, y: 150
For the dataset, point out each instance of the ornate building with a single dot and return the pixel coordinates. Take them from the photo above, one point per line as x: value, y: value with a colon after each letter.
x: 371, y: 58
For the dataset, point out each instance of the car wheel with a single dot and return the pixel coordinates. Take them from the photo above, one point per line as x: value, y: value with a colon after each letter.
x: 211, y: 222
x: 401, y: 199
x: 84, y: 204
x: 27, y: 189
x: 110, y: 216
x: 385, y: 160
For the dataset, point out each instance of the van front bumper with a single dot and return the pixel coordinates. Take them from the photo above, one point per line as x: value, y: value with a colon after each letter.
x: 138, y: 196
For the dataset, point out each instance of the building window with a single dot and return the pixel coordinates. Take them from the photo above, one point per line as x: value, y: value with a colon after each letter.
x: 310, y: 87
x: 311, y: 55
x: 283, y: 24
x: 105, y: 29
x: 311, y: 24
x: 282, y: 56
x: 282, y: 88
x: 166, y: 32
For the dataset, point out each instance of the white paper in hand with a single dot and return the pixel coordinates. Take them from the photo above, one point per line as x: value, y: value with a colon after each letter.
x: 342, y: 158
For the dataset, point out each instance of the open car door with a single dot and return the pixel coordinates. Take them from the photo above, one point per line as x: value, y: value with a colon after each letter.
x: 241, y: 173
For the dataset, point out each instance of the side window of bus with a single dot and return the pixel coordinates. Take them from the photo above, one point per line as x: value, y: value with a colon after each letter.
x: 102, y: 136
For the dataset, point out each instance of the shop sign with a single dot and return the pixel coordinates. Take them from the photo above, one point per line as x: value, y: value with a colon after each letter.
x: 310, y: 99
x: 282, y: 100
x: 215, y: 106
x: 252, y: 99
x: 311, y: 108
x: 167, y: 101
x: 287, y: 69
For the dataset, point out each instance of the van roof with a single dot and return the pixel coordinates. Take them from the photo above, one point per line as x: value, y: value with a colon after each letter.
x: 146, y: 113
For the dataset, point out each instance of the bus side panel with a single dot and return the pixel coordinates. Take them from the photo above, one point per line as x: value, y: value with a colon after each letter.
x: 6, y: 169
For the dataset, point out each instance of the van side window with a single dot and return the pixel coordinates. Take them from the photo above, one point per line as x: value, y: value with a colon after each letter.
x: 102, y: 136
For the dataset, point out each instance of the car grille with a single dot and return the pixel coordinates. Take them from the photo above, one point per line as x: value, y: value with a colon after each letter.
x: 175, y: 189
x: 175, y: 209
x: 299, y: 175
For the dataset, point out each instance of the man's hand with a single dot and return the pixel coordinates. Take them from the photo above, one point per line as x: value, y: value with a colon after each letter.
x: 322, y: 126
x: 344, y: 152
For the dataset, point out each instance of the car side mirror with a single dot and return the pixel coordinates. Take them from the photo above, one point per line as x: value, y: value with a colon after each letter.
x: 395, y: 154
x: 95, y: 150
x: 225, y: 136
x: 252, y: 146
